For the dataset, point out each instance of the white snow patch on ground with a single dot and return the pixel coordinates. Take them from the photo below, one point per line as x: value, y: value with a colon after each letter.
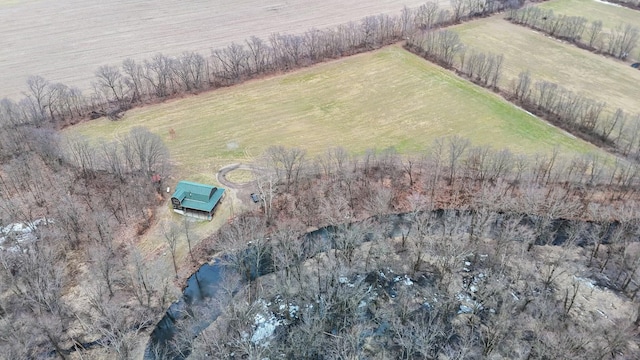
x: 608, y: 3
x: 407, y: 281
x: 545, y: 121
x: 468, y: 305
x: 265, y: 327
x: 588, y: 282
x: 293, y: 310
x: 20, y: 232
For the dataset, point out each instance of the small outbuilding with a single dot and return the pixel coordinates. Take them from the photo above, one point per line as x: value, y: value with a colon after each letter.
x: 197, y: 200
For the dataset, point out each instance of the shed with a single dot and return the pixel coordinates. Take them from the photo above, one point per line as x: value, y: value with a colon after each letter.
x: 194, y: 199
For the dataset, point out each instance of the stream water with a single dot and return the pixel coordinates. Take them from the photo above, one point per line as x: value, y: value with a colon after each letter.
x: 171, y: 337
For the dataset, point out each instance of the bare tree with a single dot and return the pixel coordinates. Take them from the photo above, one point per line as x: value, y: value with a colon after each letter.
x: 287, y: 163
x: 145, y: 152
x: 456, y: 146
x: 134, y: 78
x: 36, y: 98
x: 232, y: 61
x: 260, y: 54
x: 111, y: 82
x: 158, y: 74
x: 266, y: 190
x: 595, y: 31
x: 186, y: 225
x: 171, y: 232
x: 622, y: 40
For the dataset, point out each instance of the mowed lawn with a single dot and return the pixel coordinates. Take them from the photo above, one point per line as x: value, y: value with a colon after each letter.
x: 384, y: 99
x: 581, y: 71
x: 610, y: 14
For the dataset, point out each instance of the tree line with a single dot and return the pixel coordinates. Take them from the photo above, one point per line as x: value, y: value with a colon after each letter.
x: 117, y: 88
x: 580, y: 115
x: 619, y: 43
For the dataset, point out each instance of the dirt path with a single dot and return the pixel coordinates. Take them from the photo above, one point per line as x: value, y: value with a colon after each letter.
x: 221, y: 176
x: 67, y: 40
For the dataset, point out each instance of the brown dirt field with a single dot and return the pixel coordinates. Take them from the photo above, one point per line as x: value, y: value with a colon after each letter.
x: 67, y: 40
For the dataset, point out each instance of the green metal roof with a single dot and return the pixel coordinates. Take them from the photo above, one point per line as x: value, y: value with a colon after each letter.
x: 197, y: 196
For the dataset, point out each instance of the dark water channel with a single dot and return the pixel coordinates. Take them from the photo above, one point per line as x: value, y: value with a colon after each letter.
x: 171, y: 336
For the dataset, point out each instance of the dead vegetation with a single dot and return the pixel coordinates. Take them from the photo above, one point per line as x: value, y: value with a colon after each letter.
x: 529, y: 263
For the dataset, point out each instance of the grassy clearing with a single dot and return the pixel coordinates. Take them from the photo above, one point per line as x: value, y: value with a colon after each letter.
x: 595, y: 76
x: 610, y: 14
x: 240, y: 176
x: 389, y: 98
x: 12, y: 2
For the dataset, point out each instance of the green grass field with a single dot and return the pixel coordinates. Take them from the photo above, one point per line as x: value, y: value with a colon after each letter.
x: 610, y: 14
x: 383, y: 99
x: 595, y: 76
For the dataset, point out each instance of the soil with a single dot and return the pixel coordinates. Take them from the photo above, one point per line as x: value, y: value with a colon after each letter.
x: 67, y: 40
x: 243, y: 190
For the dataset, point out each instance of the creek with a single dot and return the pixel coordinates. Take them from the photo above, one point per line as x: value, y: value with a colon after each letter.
x: 172, y: 335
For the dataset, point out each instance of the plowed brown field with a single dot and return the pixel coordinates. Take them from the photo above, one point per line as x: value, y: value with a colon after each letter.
x: 67, y: 40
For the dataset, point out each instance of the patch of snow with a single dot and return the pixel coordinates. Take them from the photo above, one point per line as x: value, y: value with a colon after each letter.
x: 464, y: 309
x: 608, y: 3
x: 265, y: 327
x: 407, y: 281
x: 467, y: 263
x: 589, y: 282
x: 343, y: 280
x: 473, y: 288
x: 293, y: 310
x: 21, y: 233
x: 468, y: 302
x: 232, y: 145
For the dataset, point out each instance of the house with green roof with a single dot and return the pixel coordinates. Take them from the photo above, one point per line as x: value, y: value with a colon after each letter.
x: 194, y: 199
